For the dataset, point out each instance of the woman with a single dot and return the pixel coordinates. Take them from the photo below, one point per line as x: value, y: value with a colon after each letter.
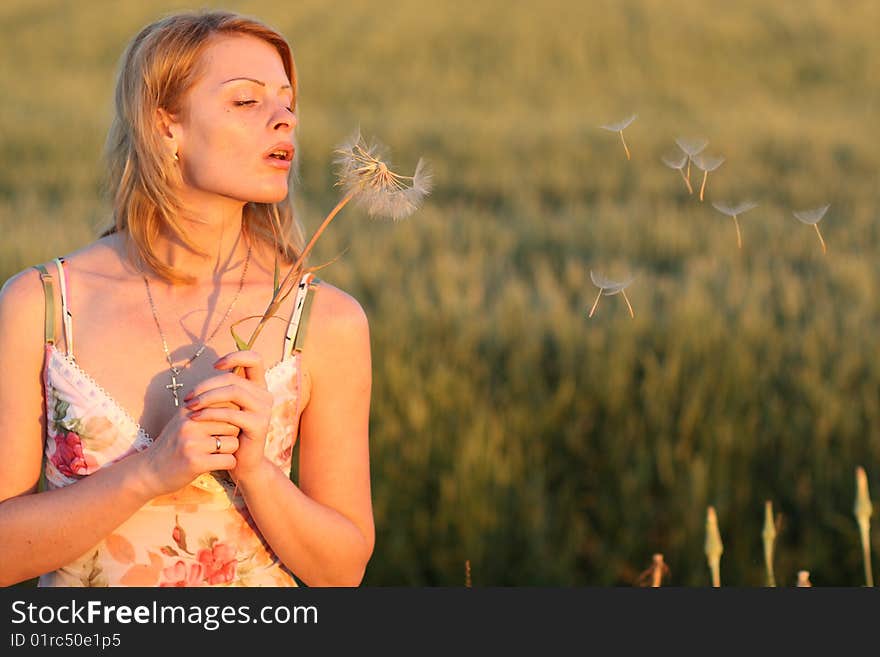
x: 196, y: 491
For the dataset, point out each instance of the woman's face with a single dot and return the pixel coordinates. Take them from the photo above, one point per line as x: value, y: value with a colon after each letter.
x: 237, y: 113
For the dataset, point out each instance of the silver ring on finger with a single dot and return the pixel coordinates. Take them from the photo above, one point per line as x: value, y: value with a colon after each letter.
x: 218, y: 445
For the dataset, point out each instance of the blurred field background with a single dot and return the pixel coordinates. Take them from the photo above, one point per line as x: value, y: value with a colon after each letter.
x: 507, y: 428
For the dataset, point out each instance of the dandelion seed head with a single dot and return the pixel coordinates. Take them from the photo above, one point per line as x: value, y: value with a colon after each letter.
x: 707, y: 162
x: 732, y: 210
x: 675, y: 161
x: 608, y: 286
x: 691, y: 146
x: 363, y: 169
x: 745, y: 206
x: 617, y: 126
x: 812, y: 216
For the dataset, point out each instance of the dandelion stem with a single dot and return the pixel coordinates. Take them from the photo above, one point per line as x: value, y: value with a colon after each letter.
x: 686, y: 182
x: 688, y: 177
x: 821, y: 241
x: 703, y: 186
x: 596, y: 303
x: 631, y: 313
x: 277, y: 298
x: 739, y: 242
x: 624, y: 145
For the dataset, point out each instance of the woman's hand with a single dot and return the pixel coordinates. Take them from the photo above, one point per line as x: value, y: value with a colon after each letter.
x: 244, y: 402
x: 186, y: 449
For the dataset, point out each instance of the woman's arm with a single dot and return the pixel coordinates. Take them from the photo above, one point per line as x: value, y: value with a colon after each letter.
x: 44, y: 531
x: 323, y: 529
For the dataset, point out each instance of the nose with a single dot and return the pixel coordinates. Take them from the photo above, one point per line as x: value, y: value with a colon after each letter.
x: 285, y: 120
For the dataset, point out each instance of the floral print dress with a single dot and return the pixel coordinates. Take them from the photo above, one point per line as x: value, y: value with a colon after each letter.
x: 200, y: 535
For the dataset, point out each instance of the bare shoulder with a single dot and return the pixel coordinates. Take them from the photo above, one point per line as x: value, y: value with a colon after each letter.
x: 22, y: 306
x: 337, y: 328
x: 334, y: 309
x: 101, y: 256
x: 22, y: 299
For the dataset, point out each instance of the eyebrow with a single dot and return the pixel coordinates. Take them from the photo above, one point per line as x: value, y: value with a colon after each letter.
x: 259, y: 82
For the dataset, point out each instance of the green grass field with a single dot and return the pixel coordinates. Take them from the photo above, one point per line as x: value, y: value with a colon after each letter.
x: 506, y: 427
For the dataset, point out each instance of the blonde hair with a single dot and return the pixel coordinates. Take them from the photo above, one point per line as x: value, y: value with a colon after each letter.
x: 157, y: 69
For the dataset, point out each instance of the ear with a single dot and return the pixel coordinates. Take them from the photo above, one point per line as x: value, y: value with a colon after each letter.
x: 169, y: 130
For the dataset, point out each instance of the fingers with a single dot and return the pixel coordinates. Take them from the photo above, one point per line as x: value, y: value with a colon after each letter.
x: 247, y: 397
x: 220, y: 462
x: 251, y: 361
x: 249, y: 422
x: 221, y: 444
x: 216, y: 427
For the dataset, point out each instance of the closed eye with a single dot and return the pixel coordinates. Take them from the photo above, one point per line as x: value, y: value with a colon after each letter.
x: 240, y: 103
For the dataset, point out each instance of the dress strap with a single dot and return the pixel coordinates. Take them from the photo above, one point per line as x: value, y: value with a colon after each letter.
x: 49, y: 294
x: 65, y: 308
x: 295, y: 336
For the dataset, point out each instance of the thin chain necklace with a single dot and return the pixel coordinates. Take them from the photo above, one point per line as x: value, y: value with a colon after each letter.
x: 174, y: 370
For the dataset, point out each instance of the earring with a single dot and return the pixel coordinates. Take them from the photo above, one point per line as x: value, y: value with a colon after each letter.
x: 176, y: 158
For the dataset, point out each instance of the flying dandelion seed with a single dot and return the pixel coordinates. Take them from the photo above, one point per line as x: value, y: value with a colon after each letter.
x: 734, y: 211
x: 364, y: 173
x: 813, y: 217
x: 692, y: 148
x: 608, y: 288
x: 619, y: 127
x: 706, y: 164
x: 678, y: 161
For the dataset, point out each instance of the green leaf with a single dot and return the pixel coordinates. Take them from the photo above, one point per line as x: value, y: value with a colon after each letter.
x: 241, y: 344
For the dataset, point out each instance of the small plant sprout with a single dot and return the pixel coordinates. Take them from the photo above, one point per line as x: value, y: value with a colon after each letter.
x: 653, y: 575
x: 734, y: 211
x: 678, y: 161
x: 692, y: 148
x: 803, y: 578
x: 658, y: 570
x: 863, y: 509
x: 619, y: 127
x: 608, y: 288
x: 706, y: 164
x: 714, y: 547
x: 769, y: 537
x: 812, y: 218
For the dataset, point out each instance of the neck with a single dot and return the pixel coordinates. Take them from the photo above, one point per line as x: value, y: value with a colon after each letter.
x: 217, y: 233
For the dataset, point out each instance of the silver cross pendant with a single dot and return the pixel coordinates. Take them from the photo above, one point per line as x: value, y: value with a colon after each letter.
x: 174, y: 385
